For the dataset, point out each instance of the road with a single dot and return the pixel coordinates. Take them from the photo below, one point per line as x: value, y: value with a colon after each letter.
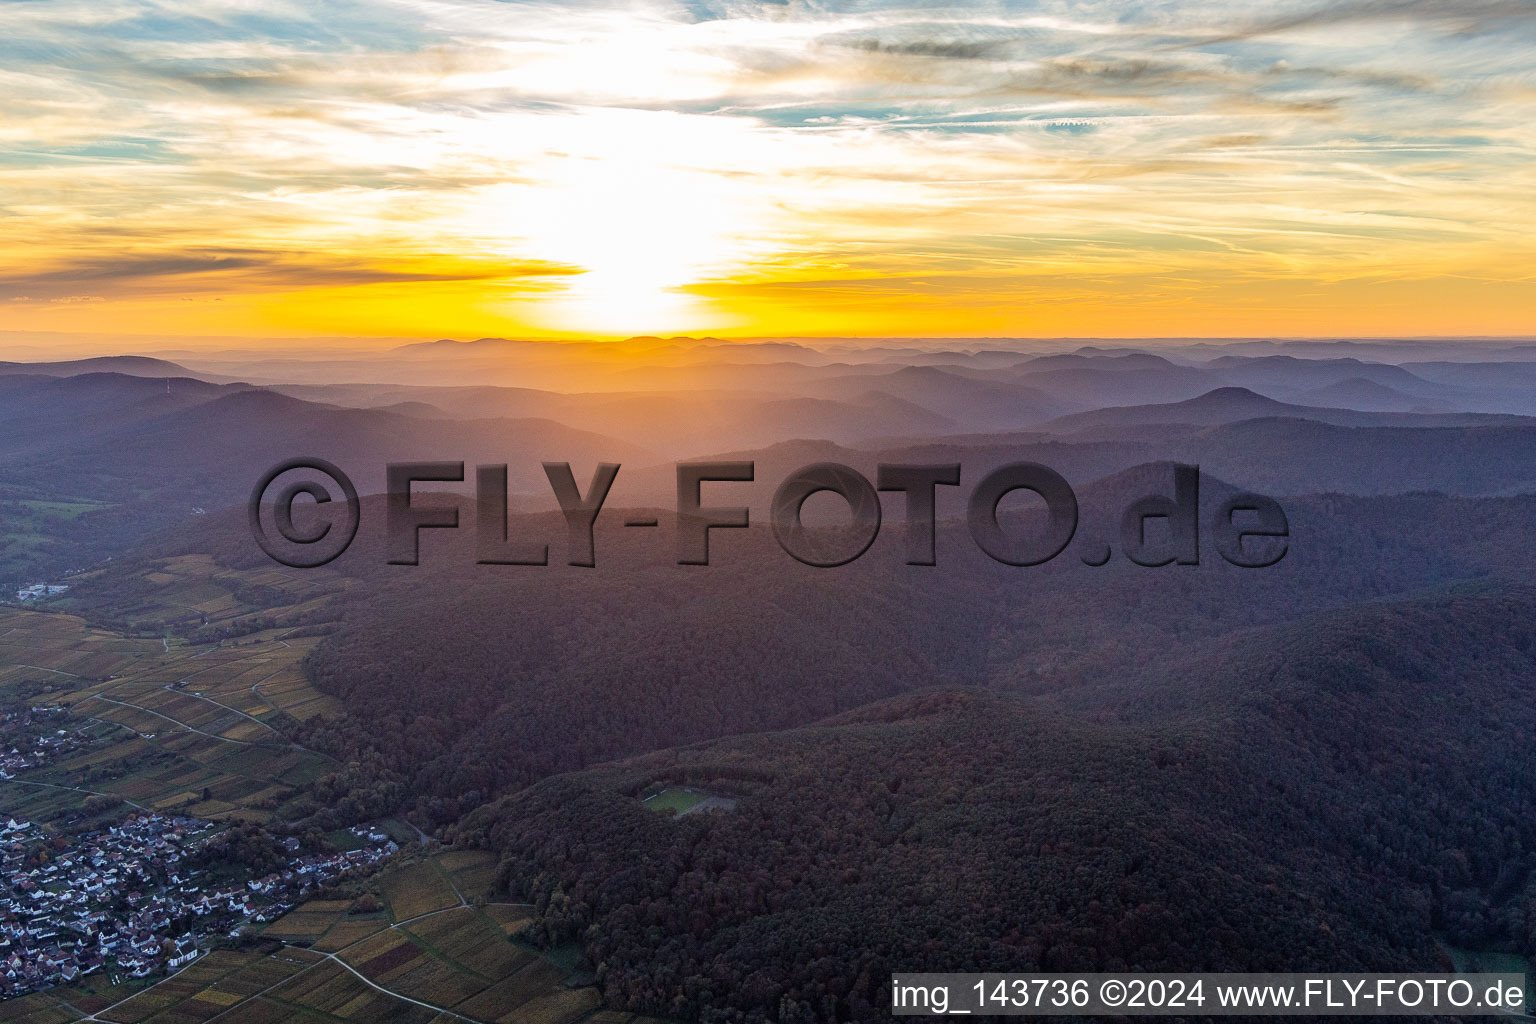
x: 168, y: 718
x: 98, y: 1018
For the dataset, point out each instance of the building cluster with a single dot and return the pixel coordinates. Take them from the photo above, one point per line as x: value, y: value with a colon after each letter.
x: 29, y: 740
x: 317, y: 868
x: 40, y: 590
x: 130, y: 901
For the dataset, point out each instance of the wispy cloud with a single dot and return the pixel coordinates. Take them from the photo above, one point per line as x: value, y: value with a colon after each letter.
x: 221, y: 269
x: 479, y: 166
x: 1463, y: 17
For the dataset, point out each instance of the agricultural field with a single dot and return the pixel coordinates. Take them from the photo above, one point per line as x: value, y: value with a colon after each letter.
x: 38, y: 1008
x: 307, y: 922
x: 174, y: 726
x: 320, y: 962
x: 189, y: 592
x: 461, y: 959
x: 509, y: 918
x: 419, y: 889
x: 471, y: 872
x: 430, y: 942
x: 206, y: 987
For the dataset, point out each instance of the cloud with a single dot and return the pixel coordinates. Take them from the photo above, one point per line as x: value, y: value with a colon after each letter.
x: 652, y: 148
x: 243, y: 268
x: 1464, y: 16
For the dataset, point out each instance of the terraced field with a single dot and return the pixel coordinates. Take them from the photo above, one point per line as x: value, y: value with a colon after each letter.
x: 176, y: 726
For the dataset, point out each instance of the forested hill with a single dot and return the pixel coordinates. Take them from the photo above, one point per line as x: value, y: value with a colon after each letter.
x: 1335, y: 795
x: 550, y: 669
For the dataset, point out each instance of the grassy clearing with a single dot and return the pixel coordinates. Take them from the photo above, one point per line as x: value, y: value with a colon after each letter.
x: 345, y: 839
x: 675, y: 800
x: 1469, y: 961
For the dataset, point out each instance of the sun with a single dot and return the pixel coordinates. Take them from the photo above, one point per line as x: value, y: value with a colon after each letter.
x: 631, y: 208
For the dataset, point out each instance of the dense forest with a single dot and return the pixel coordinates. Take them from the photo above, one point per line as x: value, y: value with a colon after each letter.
x: 555, y: 668
x: 1337, y: 794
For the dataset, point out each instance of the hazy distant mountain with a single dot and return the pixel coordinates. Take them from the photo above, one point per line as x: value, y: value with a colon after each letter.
x: 1072, y: 378
x: 970, y: 403
x: 674, y: 423
x: 121, y: 438
x: 1287, y: 456
x: 871, y: 414
x: 139, y: 366
x: 1500, y: 386
x: 1089, y: 358
x: 1289, y: 373
x: 1382, y: 350
x: 1492, y: 375
x: 213, y: 451
x: 461, y: 402
x: 1272, y: 455
x: 1096, y: 386
x: 46, y: 414
x: 1366, y: 396
x: 1234, y: 404
x: 140, y: 454
x: 977, y: 454
x: 421, y: 410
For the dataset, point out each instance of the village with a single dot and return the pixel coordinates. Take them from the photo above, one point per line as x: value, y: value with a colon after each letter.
x: 135, y: 898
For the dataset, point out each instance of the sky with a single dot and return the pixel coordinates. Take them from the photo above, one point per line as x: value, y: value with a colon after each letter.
x: 465, y: 168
